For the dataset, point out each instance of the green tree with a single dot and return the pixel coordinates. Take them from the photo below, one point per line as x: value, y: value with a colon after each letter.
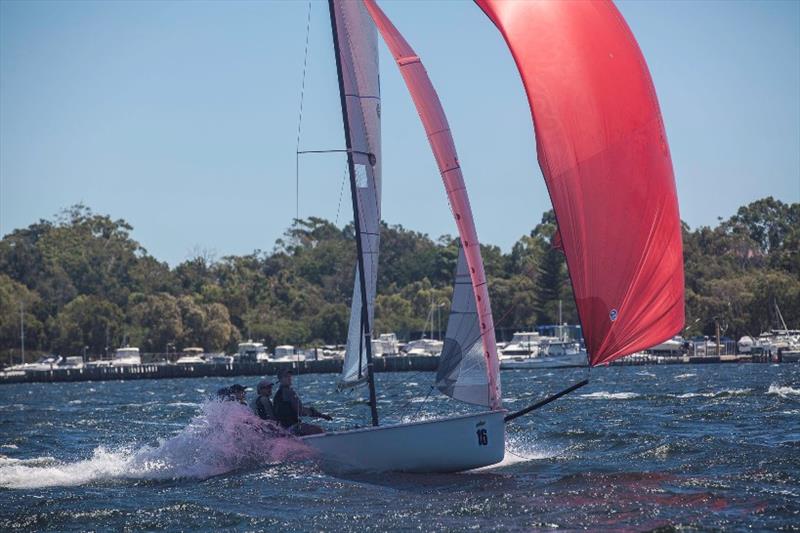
x: 87, y: 321
x: 18, y: 303
x: 155, y: 321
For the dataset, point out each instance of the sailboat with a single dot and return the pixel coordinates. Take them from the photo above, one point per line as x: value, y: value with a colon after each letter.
x: 603, y: 152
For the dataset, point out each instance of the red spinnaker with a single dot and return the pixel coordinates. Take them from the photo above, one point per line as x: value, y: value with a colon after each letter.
x: 604, y: 155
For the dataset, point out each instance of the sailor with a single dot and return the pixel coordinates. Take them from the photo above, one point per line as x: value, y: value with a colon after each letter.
x: 262, y: 405
x: 288, y: 408
x: 234, y: 393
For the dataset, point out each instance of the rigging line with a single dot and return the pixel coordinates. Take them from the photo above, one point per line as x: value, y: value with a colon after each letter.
x: 401, y: 381
x: 334, y: 151
x: 397, y: 395
x: 300, y: 119
x: 403, y: 407
x: 416, y: 415
x: 341, y: 192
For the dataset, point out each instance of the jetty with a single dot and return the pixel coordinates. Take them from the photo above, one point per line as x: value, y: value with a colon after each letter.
x: 203, y: 370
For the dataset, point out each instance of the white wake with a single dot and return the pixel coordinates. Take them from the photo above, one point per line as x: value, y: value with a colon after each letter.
x: 224, y: 437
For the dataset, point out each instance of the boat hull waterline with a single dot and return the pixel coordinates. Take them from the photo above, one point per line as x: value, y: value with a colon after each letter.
x: 442, y: 445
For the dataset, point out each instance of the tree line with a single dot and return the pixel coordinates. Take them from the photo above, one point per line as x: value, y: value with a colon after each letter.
x: 83, y: 283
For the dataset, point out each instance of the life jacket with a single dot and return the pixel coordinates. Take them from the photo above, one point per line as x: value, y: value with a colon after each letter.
x: 284, y: 412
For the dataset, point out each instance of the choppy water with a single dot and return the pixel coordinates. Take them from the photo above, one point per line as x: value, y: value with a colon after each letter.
x: 697, y: 446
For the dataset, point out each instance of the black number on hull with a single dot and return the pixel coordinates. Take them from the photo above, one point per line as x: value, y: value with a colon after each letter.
x: 483, y: 437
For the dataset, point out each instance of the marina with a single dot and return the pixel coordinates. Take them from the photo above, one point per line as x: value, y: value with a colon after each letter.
x: 51, y: 373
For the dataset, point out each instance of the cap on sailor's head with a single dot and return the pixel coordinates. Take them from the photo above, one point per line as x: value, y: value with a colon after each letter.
x: 285, y: 372
x: 264, y: 384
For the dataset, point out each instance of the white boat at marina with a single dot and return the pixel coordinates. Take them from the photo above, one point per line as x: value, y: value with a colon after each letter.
x: 286, y: 353
x: 253, y: 352
x: 127, y: 356
x: 198, y: 356
x: 673, y: 346
x: 551, y: 354
x: 523, y: 344
x: 47, y: 363
x: 385, y: 345
x: 218, y: 359
x: 192, y: 356
x: 769, y: 342
x: 423, y: 348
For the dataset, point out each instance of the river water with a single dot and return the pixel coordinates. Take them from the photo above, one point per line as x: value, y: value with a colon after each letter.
x: 639, y: 448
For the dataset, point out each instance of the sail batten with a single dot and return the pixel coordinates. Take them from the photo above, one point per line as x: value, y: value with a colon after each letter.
x: 357, y: 50
x: 603, y: 150
x: 441, y: 142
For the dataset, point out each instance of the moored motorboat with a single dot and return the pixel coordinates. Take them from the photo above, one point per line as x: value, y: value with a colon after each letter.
x: 552, y: 354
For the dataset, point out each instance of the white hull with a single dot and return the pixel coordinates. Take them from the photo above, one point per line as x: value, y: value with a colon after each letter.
x: 441, y: 445
x: 126, y: 361
x: 543, y: 361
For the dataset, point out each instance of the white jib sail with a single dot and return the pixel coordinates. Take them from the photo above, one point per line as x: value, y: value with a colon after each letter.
x: 462, y: 368
x: 357, y: 40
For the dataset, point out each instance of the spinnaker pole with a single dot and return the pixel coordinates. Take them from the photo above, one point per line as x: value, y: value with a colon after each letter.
x: 366, y: 330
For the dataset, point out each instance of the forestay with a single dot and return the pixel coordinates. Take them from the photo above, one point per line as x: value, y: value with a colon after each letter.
x: 462, y: 367
x: 604, y: 155
x: 441, y: 141
x: 357, y: 46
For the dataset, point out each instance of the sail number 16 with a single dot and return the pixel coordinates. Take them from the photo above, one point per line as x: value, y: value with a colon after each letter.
x: 483, y: 437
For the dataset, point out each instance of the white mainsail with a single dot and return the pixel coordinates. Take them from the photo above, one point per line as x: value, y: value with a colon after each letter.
x: 462, y: 369
x: 357, y: 47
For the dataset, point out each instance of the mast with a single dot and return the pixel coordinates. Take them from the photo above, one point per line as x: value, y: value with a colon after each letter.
x: 22, y: 330
x: 366, y: 331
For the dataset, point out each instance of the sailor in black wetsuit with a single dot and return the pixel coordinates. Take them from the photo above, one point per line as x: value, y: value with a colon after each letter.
x: 288, y: 408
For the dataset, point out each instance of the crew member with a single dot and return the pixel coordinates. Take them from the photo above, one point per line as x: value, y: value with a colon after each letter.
x: 262, y: 405
x: 288, y: 408
x: 234, y: 393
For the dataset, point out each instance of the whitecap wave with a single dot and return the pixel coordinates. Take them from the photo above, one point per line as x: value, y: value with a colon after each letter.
x: 224, y: 437
x: 693, y: 395
x: 783, y: 392
x: 605, y: 395
x: 684, y: 376
x: 713, y: 394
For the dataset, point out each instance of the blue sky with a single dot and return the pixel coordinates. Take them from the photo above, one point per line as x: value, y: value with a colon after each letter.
x: 181, y: 117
